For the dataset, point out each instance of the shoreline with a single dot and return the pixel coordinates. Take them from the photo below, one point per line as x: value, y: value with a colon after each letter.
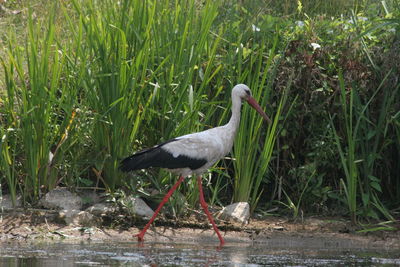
x: 41, y: 225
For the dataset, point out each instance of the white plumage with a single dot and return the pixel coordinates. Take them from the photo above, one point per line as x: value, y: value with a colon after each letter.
x: 210, y: 145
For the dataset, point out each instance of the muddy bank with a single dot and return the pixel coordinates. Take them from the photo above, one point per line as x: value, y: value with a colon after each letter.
x: 42, y: 225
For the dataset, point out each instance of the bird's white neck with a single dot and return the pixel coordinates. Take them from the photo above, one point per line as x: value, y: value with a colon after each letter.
x: 234, y: 121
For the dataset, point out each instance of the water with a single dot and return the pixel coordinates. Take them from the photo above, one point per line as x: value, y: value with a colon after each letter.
x: 285, y: 251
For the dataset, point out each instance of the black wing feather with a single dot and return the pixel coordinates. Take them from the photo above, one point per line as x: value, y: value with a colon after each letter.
x: 159, y: 157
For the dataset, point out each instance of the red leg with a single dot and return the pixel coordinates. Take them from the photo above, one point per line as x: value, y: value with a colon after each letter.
x: 140, y: 236
x: 205, y: 208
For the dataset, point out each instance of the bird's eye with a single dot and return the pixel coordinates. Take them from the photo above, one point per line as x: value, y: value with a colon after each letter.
x: 247, y: 92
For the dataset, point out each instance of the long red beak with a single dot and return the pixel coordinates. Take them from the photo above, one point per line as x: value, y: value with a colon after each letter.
x: 257, y: 107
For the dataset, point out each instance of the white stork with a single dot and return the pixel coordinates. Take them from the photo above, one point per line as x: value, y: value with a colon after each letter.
x: 194, y: 153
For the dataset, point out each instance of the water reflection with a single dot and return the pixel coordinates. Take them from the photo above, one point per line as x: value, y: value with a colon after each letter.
x: 271, y: 252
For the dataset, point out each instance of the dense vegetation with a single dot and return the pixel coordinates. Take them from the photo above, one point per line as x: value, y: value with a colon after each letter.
x: 86, y: 83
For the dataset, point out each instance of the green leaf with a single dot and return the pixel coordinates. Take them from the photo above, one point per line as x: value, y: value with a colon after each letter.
x: 376, y: 186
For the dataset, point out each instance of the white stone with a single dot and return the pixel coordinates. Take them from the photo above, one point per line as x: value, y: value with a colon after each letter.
x: 61, y: 199
x: 239, y: 212
x: 138, y: 207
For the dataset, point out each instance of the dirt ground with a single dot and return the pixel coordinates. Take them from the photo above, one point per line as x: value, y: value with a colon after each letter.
x: 42, y: 225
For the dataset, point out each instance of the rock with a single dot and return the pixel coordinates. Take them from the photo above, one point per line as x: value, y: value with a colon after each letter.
x: 90, y: 197
x: 77, y: 217
x: 67, y: 215
x: 102, y: 209
x: 6, y: 202
x: 278, y: 228
x: 239, y: 212
x: 137, y: 206
x: 61, y: 199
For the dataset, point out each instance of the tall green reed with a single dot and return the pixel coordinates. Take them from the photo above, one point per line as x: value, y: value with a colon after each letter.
x: 8, y: 141
x: 34, y: 110
x: 113, y: 74
x: 142, y: 79
x: 361, y: 150
x: 373, y: 144
x: 8, y: 146
x: 348, y: 159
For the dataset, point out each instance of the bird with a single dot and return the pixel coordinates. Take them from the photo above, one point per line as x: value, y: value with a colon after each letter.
x: 193, y: 154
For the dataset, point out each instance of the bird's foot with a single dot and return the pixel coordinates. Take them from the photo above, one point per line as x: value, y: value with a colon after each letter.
x: 221, y: 245
x: 140, y: 237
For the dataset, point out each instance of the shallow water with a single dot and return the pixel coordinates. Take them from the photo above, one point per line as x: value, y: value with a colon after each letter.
x: 271, y: 252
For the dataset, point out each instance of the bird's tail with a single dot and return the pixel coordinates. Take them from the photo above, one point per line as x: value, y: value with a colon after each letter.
x: 140, y: 160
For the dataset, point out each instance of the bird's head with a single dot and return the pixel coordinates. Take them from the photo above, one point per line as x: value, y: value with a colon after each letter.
x: 243, y: 92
